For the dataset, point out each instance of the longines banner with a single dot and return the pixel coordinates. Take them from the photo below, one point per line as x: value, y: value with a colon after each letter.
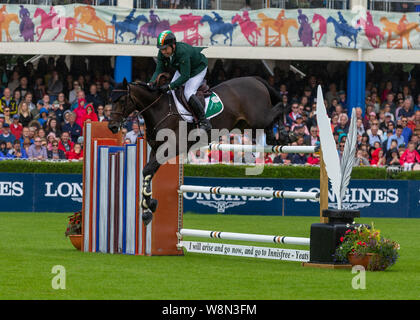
x: 353, y: 29
x: 375, y: 198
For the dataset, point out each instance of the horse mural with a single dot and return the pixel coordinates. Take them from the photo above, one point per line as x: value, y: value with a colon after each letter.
x: 188, y: 25
x: 130, y: 25
x: 153, y: 28
x: 402, y: 30
x: 88, y: 16
x: 372, y: 32
x: 242, y: 111
x: 280, y: 25
x: 26, y: 26
x: 322, y: 28
x: 53, y: 21
x: 218, y: 26
x: 305, y: 31
x: 249, y: 29
x: 342, y: 29
x: 4, y: 26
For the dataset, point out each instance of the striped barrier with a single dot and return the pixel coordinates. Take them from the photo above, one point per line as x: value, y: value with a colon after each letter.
x: 111, y: 214
x: 255, y: 148
x: 251, y: 192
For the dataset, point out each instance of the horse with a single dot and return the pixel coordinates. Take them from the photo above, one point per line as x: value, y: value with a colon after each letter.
x: 88, y: 16
x: 4, y: 26
x: 402, y: 33
x: 127, y: 26
x: 322, y: 28
x: 373, y: 33
x: 219, y: 27
x: 53, y: 22
x: 342, y: 30
x: 249, y: 29
x: 281, y: 26
x: 241, y: 111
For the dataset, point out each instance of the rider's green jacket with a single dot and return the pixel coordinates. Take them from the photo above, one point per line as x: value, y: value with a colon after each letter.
x: 188, y: 60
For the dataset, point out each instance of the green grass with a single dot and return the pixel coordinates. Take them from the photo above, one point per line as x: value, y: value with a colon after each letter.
x: 32, y: 243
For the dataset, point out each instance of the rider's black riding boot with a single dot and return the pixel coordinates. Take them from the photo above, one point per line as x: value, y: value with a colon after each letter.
x: 198, y: 109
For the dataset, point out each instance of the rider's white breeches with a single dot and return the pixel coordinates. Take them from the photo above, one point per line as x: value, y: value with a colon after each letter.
x: 192, y: 85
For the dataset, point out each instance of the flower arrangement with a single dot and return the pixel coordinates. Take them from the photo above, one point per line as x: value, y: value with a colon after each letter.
x: 364, y: 240
x: 75, y: 224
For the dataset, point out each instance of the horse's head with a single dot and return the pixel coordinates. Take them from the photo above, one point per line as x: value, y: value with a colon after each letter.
x: 205, y: 18
x: 236, y: 18
x: 128, y: 97
x: 122, y: 106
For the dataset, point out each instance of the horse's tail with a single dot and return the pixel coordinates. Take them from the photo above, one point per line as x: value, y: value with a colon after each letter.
x: 274, y: 95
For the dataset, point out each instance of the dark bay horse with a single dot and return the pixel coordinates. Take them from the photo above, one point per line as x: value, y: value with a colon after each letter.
x: 249, y: 103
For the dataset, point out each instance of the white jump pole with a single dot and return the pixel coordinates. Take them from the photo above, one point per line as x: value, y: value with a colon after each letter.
x: 251, y: 192
x: 245, y: 237
x: 266, y: 149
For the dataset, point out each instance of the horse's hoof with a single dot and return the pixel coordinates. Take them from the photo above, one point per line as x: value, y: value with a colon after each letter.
x: 153, y: 205
x: 147, y: 217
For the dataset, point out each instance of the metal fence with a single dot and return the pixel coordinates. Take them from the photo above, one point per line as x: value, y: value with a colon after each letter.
x: 378, y: 5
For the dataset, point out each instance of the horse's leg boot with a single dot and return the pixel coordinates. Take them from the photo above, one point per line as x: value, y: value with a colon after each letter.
x: 198, y: 110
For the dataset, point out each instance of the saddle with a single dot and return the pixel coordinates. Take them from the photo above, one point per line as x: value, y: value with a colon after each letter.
x: 202, y: 92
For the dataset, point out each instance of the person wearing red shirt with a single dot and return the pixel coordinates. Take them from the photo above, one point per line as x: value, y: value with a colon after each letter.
x: 16, y: 127
x: 409, y: 157
x: 90, y: 114
x: 76, y: 153
x: 80, y: 111
x: 65, y: 143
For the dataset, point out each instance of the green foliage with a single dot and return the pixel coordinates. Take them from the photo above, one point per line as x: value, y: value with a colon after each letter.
x: 26, y: 166
x: 74, y: 225
x: 363, y: 240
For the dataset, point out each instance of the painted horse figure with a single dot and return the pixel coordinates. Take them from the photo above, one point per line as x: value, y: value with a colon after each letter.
x: 241, y: 111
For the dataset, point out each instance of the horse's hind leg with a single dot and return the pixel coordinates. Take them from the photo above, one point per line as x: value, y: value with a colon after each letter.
x: 149, y: 204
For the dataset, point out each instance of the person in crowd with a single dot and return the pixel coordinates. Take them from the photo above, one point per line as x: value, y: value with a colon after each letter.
x: 6, y: 136
x: 17, y: 152
x: 343, y: 124
x: 407, y: 132
x: 397, y: 136
x: 7, y: 116
x: 43, y: 116
x: 134, y: 133
x: 16, y: 127
x: 55, y: 153
x: 100, y: 113
x: 90, y: 114
x: 7, y: 101
x: 93, y: 97
x: 35, y: 112
x: 80, y: 111
x: 76, y: 153
x: 74, y: 129
x: 74, y: 93
x: 406, y: 110
x: 313, y: 138
x: 409, y: 157
x: 55, y: 86
x: 37, y: 151
x: 53, y: 126
x: 107, y: 112
x: 51, y: 137
x: 291, y: 117
x: 105, y: 92
x: 65, y: 142
x: 361, y: 160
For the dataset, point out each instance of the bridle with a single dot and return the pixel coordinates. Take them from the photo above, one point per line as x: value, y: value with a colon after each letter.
x: 132, y: 100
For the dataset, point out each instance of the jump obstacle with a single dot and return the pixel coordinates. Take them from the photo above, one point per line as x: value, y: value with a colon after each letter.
x: 112, y: 217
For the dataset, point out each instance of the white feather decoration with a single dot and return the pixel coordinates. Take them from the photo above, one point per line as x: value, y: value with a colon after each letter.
x: 348, y: 158
x: 328, y: 146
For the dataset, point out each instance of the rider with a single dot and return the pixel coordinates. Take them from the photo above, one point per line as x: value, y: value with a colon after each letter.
x: 191, y: 68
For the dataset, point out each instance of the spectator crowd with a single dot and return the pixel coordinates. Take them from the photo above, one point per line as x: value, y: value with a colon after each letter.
x: 43, y: 110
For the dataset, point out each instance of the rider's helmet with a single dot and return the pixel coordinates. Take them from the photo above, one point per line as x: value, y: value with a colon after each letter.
x: 166, y: 38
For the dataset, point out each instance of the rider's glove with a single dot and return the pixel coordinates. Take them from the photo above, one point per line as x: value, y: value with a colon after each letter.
x: 165, y: 88
x: 151, y: 85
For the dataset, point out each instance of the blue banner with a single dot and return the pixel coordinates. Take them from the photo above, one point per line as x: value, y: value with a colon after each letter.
x: 375, y: 198
x: 40, y: 192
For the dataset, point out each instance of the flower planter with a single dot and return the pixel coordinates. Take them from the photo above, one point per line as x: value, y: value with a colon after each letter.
x: 360, y: 260
x: 76, y: 240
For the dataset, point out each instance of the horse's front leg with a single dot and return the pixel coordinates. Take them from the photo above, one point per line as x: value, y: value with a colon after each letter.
x: 149, y: 204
